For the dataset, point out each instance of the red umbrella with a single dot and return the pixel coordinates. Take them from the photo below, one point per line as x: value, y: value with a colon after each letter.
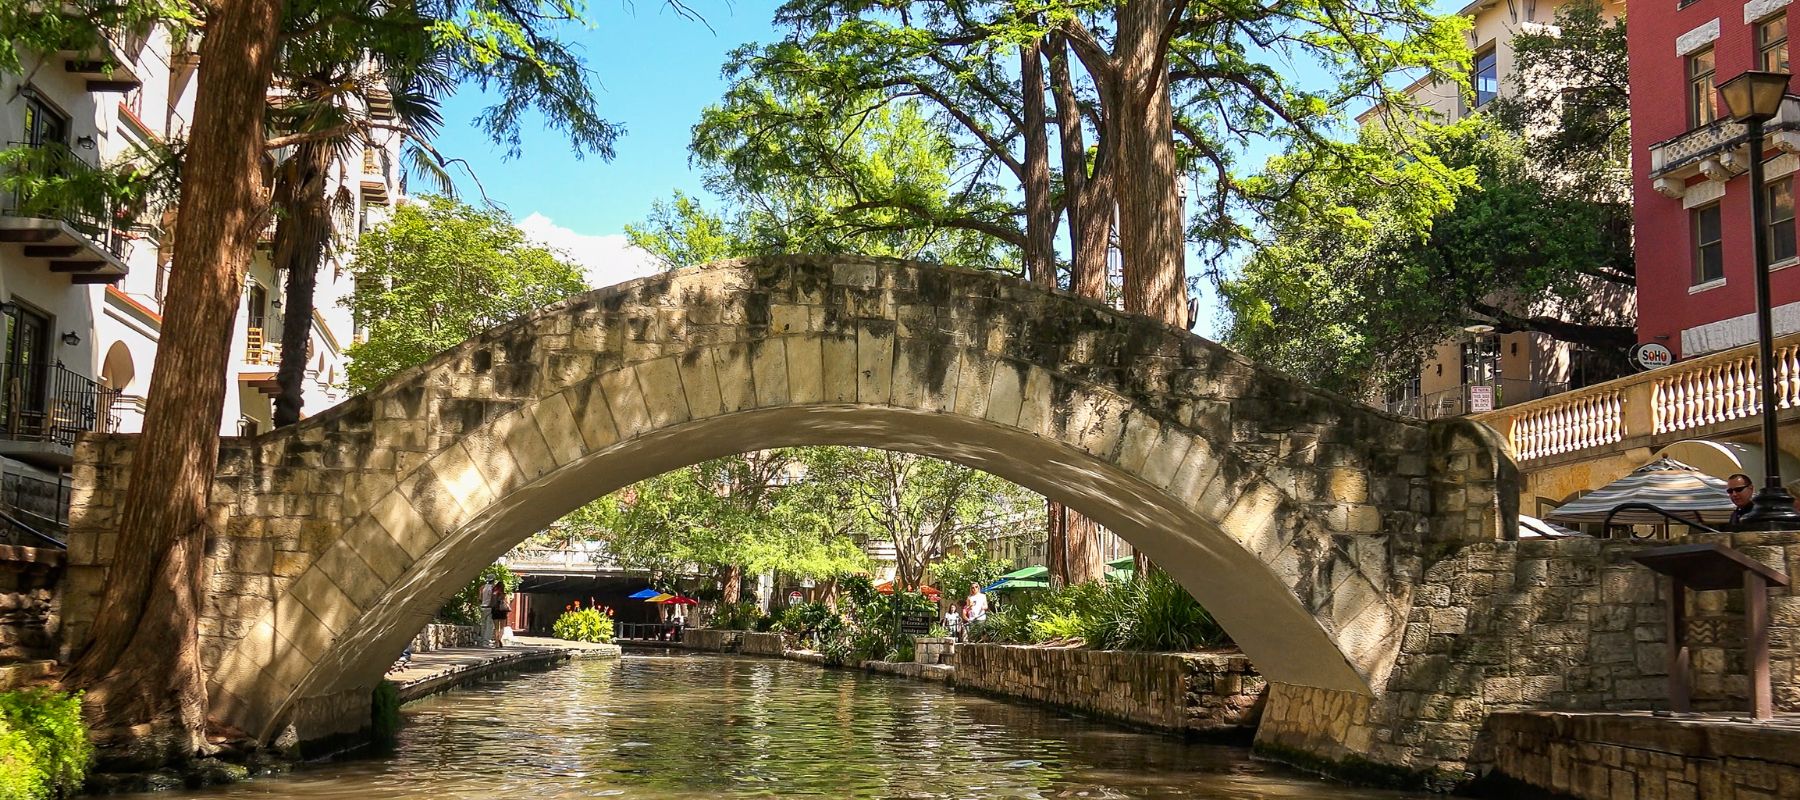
x: 887, y: 587
x: 682, y: 601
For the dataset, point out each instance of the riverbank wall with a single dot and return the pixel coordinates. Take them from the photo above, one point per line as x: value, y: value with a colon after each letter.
x: 1602, y: 756
x: 1196, y: 693
x: 1539, y: 625
x: 30, y: 605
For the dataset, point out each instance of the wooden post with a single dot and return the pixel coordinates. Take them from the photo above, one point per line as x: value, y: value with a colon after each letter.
x: 1756, y: 643
x: 1680, y: 657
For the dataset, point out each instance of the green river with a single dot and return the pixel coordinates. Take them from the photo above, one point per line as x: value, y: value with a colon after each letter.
x: 705, y: 726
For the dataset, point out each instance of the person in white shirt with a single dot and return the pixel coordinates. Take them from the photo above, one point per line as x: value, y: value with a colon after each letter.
x: 975, y: 606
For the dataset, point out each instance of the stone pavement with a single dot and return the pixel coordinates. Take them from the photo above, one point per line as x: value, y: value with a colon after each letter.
x: 436, y: 671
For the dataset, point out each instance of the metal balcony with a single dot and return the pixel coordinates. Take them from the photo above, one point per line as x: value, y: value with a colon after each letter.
x: 44, y: 407
x: 66, y: 237
x: 1455, y: 401
x: 110, y: 66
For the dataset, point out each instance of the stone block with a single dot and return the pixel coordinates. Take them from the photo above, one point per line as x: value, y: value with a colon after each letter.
x: 1007, y: 392
x: 839, y: 375
x: 874, y: 363
x: 805, y: 370
x: 626, y: 401
x: 664, y: 398
x: 556, y: 422
x: 769, y: 369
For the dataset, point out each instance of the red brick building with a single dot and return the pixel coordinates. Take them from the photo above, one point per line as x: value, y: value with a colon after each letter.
x: 1692, y: 198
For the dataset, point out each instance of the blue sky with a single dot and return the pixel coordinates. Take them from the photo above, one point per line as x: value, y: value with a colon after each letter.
x: 656, y: 70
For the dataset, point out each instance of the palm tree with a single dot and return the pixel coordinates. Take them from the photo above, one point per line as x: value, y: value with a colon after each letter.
x: 345, y: 90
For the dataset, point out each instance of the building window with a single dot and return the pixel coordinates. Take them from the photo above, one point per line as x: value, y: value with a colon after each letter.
x: 1702, y: 108
x: 1781, y: 220
x: 1771, y: 43
x: 43, y: 124
x: 1486, y: 77
x: 1709, y: 253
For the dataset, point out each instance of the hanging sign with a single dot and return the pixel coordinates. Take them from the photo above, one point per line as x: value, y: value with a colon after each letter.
x: 1481, y: 399
x: 795, y: 596
x: 1650, y: 355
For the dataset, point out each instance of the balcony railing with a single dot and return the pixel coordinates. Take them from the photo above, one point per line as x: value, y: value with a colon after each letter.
x: 50, y: 403
x: 1711, y: 395
x: 1455, y: 401
x: 1717, y: 150
x: 93, y: 218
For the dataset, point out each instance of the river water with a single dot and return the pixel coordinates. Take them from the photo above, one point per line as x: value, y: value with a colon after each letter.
x: 687, y: 727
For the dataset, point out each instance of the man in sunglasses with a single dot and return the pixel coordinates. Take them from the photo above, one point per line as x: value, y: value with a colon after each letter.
x: 1741, y: 490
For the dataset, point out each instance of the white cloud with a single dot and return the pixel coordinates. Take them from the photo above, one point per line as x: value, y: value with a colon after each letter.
x: 606, y: 260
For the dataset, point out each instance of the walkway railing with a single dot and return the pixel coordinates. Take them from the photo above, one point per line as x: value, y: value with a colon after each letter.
x: 647, y: 631
x: 1709, y: 395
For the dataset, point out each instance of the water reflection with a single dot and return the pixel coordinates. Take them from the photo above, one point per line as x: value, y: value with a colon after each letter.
x: 681, y: 726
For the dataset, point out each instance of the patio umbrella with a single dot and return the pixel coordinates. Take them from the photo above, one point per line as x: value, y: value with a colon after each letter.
x: 887, y: 587
x: 660, y: 597
x: 1122, y: 564
x: 1665, y: 483
x: 644, y: 594
x: 682, y: 601
x: 1037, y: 577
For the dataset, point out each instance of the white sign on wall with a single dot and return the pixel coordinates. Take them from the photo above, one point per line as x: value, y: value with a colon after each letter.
x: 1481, y: 399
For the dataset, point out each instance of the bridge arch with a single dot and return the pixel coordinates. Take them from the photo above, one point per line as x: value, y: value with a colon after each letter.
x: 1299, y: 518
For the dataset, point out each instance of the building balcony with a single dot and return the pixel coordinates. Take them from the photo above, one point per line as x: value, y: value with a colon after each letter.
x: 65, y: 235
x: 111, y: 66
x: 1719, y: 151
x: 1710, y: 397
x: 44, y: 407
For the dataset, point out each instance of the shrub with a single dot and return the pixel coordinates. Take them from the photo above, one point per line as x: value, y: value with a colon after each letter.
x: 1153, y: 613
x: 809, y: 624
x: 464, y: 608
x: 44, y: 749
x: 736, y: 616
x: 586, y: 625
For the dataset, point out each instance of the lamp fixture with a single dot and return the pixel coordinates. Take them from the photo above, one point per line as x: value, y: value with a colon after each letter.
x: 71, y: 338
x: 1479, y: 329
x: 84, y: 142
x: 8, y: 308
x: 1754, y: 95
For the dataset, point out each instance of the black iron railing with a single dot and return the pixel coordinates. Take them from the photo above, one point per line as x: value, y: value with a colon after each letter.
x: 647, y: 631
x: 42, y: 504
x: 50, y: 403
x: 67, y: 193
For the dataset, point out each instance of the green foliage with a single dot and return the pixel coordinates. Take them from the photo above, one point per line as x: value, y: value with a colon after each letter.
x: 464, y: 607
x: 806, y: 625
x: 743, y: 511
x: 384, y: 715
x: 736, y: 616
x: 83, y: 25
x: 44, y: 749
x: 586, y: 625
x: 870, y: 628
x: 970, y: 566
x: 438, y: 273
x: 1153, y: 614
x: 1518, y: 218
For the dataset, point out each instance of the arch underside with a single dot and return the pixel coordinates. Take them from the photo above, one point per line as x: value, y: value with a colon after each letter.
x: 1313, y: 602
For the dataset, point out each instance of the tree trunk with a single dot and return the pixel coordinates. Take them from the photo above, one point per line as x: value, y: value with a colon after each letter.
x: 1150, y: 224
x: 1040, y: 216
x: 1081, y: 559
x: 1089, y: 199
x: 303, y: 225
x: 142, y: 666
x: 733, y: 583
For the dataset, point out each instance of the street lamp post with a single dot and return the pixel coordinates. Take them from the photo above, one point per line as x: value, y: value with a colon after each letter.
x: 1753, y: 98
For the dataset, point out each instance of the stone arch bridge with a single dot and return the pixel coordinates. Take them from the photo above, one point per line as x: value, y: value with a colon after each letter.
x: 1301, y: 519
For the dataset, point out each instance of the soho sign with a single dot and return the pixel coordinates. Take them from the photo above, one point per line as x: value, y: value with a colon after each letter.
x: 1650, y: 355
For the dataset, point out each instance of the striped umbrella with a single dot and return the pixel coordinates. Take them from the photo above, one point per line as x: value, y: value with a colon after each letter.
x: 1665, y: 483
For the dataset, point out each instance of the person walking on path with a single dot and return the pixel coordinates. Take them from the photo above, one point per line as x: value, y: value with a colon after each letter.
x: 500, y: 609
x: 975, y: 606
x: 484, y: 602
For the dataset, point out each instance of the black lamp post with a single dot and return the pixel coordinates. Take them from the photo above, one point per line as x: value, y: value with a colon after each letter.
x: 1753, y: 98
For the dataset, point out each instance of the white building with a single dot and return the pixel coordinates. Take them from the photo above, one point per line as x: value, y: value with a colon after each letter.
x: 83, y: 301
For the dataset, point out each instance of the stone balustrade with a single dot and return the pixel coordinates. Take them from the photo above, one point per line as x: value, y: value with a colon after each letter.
x: 1700, y: 398
x: 1190, y: 692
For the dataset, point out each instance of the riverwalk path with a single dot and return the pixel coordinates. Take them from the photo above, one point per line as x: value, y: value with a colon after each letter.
x: 446, y: 668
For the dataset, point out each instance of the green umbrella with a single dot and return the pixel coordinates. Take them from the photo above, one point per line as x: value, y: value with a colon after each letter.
x: 1126, y: 564
x: 1026, y: 573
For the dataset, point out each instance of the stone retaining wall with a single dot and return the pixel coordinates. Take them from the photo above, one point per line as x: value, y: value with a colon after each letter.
x: 760, y: 644
x: 1570, y: 624
x: 712, y: 639
x: 1607, y: 756
x: 30, y: 606
x: 1197, y: 692
x: 437, y: 637
x: 934, y: 650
